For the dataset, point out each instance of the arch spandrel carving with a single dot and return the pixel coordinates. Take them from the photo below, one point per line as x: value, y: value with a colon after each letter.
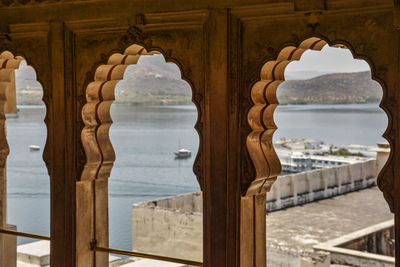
x: 260, y: 119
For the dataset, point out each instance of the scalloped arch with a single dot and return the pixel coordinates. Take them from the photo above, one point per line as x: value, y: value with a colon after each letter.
x: 100, y: 94
x: 260, y: 117
x: 8, y: 64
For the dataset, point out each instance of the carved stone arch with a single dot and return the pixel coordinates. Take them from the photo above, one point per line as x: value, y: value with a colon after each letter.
x: 9, y: 63
x: 92, y: 219
x: 260, y: 118
x: 100, y: 94
x: 10, y: 59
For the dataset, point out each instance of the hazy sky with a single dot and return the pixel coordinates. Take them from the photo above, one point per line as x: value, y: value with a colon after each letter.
x: 312, y: 63
x: 328, y: 60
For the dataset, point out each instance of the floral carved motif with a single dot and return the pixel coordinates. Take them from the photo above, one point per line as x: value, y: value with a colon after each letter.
x: 134, y: 35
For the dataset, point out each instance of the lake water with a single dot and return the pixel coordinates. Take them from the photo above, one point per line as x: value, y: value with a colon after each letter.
x: 144, y: 139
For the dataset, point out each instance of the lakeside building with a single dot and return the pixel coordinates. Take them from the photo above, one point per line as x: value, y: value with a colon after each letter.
x: 301, y: 155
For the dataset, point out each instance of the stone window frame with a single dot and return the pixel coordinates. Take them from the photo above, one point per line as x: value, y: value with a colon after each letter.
x: 9, y: 63
x: 100, y: 155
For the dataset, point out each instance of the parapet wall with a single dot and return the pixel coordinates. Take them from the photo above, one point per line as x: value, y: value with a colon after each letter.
x: 300, y: 188
x: 371, y: 246
x: 173, y: 226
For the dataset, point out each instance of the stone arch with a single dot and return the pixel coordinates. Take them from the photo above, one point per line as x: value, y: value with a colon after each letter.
x: 92, y: 188
x: 260, y: 117
x: 9, y: 63
x: 99, y: 152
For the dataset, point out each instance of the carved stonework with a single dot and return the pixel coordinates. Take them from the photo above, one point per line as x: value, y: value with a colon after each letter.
x: 386, y: 178
x: 8, y: 64
x: 99, y: 152
x: 134, y: 35
x: 260, y: 119
x: 96, y: 116
x: 5, y: 41
x: 385, y: 184
x: 15, y: 3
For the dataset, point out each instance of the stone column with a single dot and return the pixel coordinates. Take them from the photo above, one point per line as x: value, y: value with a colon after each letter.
x: 8, y: 244
x: 253, y: 246
x: 11, y: 95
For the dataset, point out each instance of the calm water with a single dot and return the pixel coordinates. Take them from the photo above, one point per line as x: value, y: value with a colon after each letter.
x: 144, y: 139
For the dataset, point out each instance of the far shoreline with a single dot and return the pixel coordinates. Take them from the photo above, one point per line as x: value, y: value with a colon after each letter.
x: 171, y: 104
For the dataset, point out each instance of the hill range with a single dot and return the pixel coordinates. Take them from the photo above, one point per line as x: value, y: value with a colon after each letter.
x: 153, y: 82
x: 338, y: 88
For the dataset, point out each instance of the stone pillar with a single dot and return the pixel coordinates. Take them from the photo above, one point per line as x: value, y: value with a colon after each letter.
x: 11, y: 96
x: 84, y: 223
x: 92, y: 222
x: 101, y: 220
x: 9, y: 248
x: 253, y: 247
x: 8, y: 244
x: 221, y: 195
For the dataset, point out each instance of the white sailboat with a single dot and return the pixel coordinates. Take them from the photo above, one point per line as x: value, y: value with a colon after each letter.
x: 34, y: 148
x: 183, y: 154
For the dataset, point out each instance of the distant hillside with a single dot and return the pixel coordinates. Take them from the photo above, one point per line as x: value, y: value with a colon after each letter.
x: 340, y: 88
x: 150, y: 82
x: 29, y: 91
x: 154, y: 82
